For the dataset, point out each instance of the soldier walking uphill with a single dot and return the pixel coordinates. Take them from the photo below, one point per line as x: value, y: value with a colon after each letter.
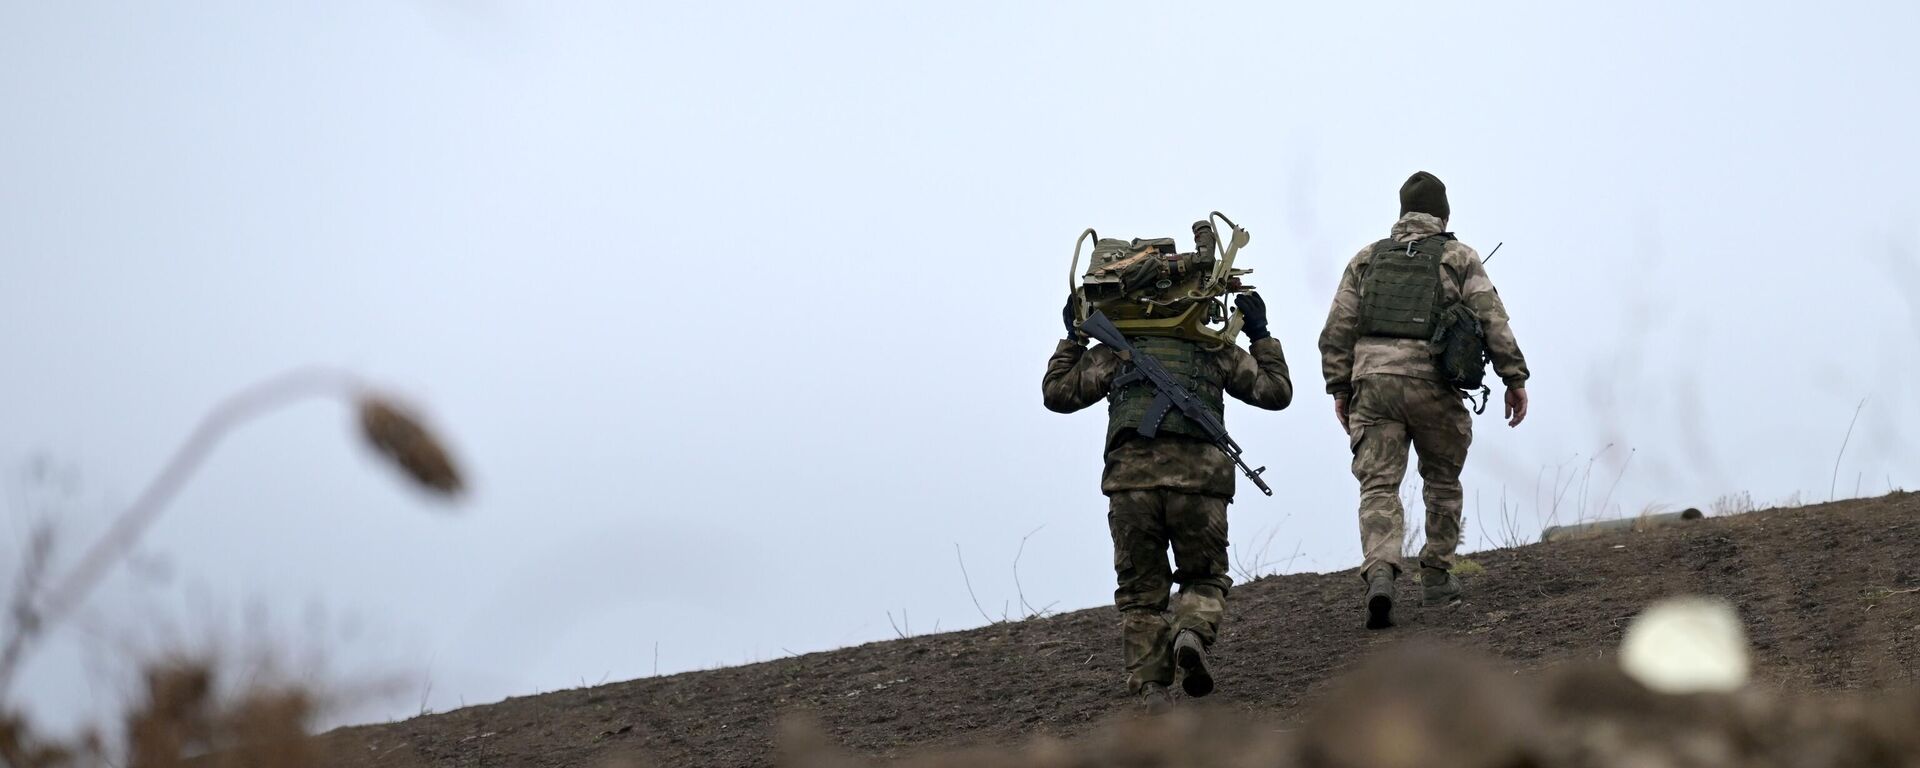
x: 1384, y: 361
x: 1171, y: 489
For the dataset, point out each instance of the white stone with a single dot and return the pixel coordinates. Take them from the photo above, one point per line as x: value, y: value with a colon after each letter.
x: 1687, y: 645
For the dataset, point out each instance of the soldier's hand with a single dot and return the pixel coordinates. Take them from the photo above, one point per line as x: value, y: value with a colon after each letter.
x: 1340, y: 412
x: 1516, y: 406
x: 1071, y: 314
x: 1253, y: 310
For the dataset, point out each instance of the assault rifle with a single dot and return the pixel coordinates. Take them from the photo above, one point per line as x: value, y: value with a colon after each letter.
x: 1169, y: 395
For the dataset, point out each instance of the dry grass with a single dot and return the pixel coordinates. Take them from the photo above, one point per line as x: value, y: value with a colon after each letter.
x: 1555, y: 501
x: 1252, y: 563
x: 182, y: 721
x: 1505, y: 528
x: 1732, y: 504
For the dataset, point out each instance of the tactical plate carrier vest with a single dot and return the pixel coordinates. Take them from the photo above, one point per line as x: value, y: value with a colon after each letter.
x: 1400, y: 293
x: 1127, y: 406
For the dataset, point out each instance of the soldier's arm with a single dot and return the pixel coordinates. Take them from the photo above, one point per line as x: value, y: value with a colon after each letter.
x: 1259, y: 379
x: 1476, y: 289
x: 1342, y: 332
x: 1077, y: 377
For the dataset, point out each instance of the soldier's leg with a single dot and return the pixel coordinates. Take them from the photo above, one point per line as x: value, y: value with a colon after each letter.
x: 1378, y: 436
x: 1138, y: 522
x: 1197, y: 526
x: 1442, y: 430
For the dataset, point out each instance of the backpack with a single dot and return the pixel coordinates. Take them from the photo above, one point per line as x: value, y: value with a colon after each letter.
x: 1459, y: 346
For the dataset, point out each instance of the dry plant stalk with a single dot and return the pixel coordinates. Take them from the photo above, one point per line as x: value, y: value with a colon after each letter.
x: 395, y: 434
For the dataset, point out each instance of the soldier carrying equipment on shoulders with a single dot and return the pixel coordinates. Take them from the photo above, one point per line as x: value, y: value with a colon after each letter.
x: 1411, y: 329
x: 1169, y: 475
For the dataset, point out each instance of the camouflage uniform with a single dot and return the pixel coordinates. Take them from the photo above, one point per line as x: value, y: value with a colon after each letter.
x: 1166, y: 490
x: 1396, y: 396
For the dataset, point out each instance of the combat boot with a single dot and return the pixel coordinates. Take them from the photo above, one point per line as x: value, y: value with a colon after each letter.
x: 1438, y: 587
x: 1154, y: 699
x: 1380, y: 597
x: 1191, y: 656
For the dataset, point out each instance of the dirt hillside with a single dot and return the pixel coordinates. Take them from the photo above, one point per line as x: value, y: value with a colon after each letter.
x: 1816, y: 586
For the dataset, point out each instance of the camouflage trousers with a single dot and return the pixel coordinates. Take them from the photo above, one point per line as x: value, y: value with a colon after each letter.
x: 1385, y: 414
x: 1144, y: 524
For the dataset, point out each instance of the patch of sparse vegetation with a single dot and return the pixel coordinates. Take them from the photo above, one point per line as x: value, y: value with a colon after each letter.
x: 1554, y: 503
x: 1252, y: 564
x: 184, y: 720
x: 1732, y: 504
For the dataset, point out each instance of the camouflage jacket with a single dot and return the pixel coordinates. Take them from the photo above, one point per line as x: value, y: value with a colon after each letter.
x: 1345, y: 355
x: 1078, y: 377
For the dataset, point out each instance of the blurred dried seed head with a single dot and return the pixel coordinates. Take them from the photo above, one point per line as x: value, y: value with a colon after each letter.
x: 401, y: 437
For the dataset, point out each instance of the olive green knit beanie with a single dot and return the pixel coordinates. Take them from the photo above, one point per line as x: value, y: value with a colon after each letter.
x: 1424, y: 193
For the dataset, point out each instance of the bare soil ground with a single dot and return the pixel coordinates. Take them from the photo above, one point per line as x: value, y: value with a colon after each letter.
x: 1816, y: 586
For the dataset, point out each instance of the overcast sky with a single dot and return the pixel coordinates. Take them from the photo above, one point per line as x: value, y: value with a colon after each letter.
x: 736, y: 313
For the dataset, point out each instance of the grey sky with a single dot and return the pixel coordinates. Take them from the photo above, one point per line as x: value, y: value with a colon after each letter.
x: 736, y: 312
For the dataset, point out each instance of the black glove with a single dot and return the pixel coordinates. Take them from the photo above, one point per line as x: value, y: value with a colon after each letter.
x: 1071, y: 314
x: 1254, y: 310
